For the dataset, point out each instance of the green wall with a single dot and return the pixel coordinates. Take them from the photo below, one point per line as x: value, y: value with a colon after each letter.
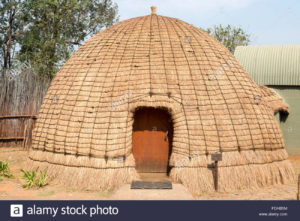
x: 291, y: 127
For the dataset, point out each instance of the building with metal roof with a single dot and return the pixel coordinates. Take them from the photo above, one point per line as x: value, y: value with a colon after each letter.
x: 278, y: 67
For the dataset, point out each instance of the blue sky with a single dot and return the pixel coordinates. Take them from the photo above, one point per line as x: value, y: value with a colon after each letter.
x: 269, y: 22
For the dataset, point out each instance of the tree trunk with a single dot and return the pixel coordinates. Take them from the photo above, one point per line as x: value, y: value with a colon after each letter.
x: 10, y: 23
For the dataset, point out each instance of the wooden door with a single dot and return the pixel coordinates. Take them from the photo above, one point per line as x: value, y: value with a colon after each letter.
x: 152, y: 140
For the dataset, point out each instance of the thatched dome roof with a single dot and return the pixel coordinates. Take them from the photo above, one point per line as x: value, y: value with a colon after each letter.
x: 87, y: 115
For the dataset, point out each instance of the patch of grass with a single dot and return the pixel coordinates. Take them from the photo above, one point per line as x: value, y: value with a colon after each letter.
x: 29, y: 177
x: 49, y: 193
x: 5, y: 170
x: 42, y: 180
x: 33, y: 178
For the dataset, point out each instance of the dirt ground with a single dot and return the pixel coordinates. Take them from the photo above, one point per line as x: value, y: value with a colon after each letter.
x: 11, y: 188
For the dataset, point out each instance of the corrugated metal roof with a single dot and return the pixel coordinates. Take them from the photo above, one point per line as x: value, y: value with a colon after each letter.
x: 271, y: 65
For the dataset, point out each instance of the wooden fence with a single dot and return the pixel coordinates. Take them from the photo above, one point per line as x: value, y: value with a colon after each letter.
x: 16, y: 130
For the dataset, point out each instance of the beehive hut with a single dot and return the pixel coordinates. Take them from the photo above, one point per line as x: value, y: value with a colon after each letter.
x: 155, y: 94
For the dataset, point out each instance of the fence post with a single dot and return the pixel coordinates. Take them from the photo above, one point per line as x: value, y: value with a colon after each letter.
x: 216, y: 157
x: 29, y: 133
x: 25, y: 134
x: 216, y: 177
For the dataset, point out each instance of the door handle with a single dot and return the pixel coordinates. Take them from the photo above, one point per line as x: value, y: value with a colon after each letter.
x: 166, y: 137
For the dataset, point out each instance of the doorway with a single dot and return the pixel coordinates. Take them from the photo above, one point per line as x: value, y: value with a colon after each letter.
x: 152, y: 140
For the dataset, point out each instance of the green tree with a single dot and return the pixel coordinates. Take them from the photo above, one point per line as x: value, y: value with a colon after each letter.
x: 55, y: 27
x: 10, y: 26
x: 230, y: 36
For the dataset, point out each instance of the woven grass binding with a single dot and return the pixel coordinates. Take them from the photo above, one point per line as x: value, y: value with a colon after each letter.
x: 85, y: 122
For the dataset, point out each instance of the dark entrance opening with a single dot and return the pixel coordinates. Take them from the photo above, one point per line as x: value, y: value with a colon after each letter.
x: 152, y: 140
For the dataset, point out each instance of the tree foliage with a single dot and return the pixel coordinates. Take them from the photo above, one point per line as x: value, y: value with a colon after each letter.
x: 230, y: 36
x: 54, y: 27
x: 49, y: 30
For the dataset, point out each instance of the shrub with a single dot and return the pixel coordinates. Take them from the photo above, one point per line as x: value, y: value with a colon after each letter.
x: 33, y: 178
x: 42, y: 180
x: 4, y: 169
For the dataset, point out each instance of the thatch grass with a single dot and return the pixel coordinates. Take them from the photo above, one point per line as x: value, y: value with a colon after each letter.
x: 85, y: 178
x: 274, y: 100
x: 237, y: 170
x: 83, y: 172
x: 86, y: 119
x: 199, y: 180
x: 244, y: 170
